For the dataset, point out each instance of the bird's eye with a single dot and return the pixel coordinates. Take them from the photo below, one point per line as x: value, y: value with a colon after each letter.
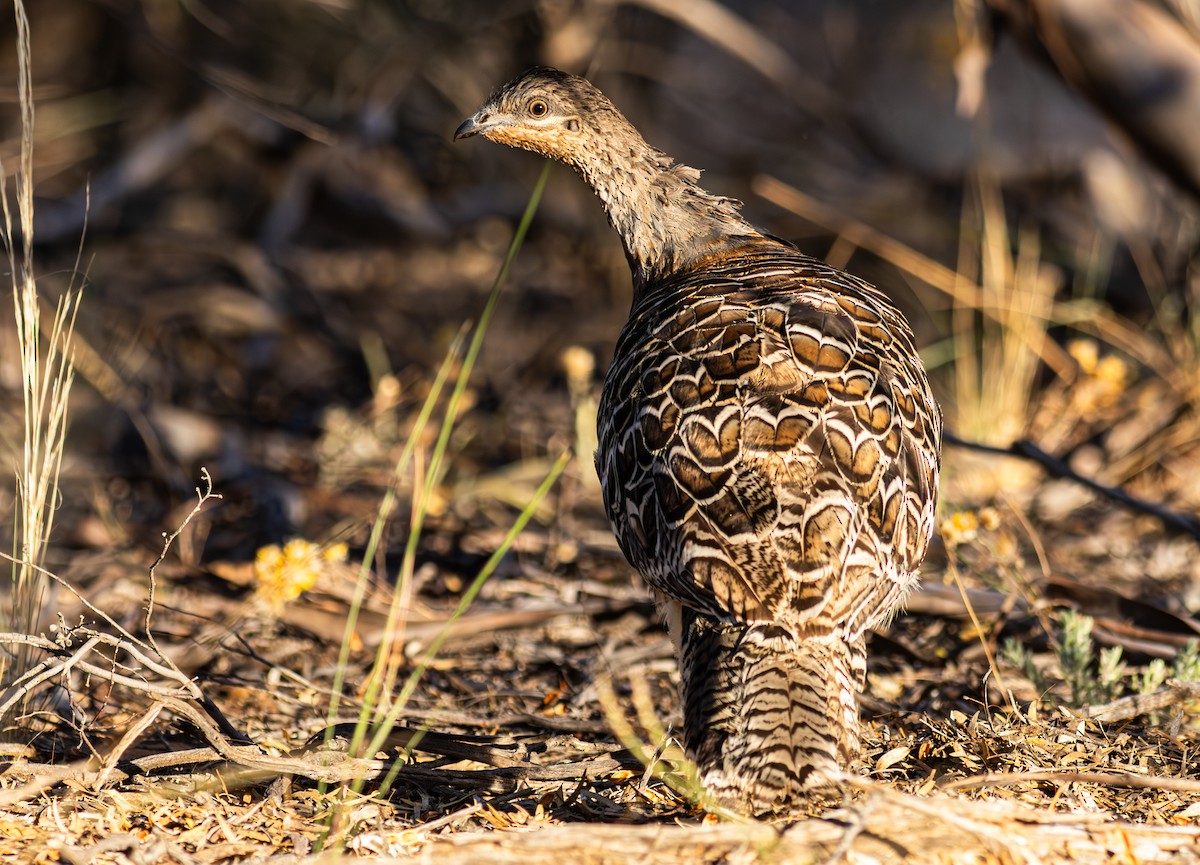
x: 538, y: 108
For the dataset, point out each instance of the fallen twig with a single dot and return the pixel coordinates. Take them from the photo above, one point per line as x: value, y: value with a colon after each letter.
x: 70, y: 647
x: 1110, y: 779
x: 1168, y: 697
x: 1055, y: 467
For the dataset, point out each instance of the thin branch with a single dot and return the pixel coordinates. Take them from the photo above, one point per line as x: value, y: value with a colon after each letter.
x: 203, y: 494
x: 1055, y: 467
x: 1169, y: 697
x: 1131, y: 780
x: 127, y: 739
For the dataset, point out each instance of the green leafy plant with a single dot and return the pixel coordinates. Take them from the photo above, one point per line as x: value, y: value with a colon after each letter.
x: 1016, y: 655
x: 1090, y: 677
x: 1093, y: 676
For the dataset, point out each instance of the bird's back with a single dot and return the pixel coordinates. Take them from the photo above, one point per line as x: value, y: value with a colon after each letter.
x: 769, y: 442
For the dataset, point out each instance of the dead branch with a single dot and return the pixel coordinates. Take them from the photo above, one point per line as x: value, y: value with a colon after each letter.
x: 1057, y: 468
x: 1168, y: 697
x: 329, y: 762
x: 886, y: 827
x: 1133, y: 780
x: 69, y: 651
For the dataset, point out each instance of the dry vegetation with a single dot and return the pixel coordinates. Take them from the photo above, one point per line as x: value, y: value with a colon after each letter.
x: 389, y: 618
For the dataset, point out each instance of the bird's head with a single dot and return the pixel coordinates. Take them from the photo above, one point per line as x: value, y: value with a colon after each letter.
x: 664, y: 217
x: 543, y: 110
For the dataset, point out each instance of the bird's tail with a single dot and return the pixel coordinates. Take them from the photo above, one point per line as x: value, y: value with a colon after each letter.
x: 770, y: 718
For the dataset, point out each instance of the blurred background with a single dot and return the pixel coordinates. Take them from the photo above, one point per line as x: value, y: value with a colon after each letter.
x: 280, y: 242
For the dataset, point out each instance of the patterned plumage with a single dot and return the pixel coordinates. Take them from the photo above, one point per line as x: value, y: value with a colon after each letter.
x: 768, y: 452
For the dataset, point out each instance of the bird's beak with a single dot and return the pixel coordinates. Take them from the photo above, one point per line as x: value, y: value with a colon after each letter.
x: 466, y: 129
x: 473, y: 125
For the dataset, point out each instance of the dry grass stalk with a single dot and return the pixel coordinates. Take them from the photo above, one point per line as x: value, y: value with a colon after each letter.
x: 46, y: 375
x: 907, y: 259
x: 996, y: 357
x: 1085, y: 315
x: 1003, y: 302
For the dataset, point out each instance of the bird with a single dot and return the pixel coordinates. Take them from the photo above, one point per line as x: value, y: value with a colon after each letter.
x: 768, y: 452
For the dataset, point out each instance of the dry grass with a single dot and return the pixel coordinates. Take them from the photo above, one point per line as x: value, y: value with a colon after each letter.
x: 47, y: 373
x: 460, y: 669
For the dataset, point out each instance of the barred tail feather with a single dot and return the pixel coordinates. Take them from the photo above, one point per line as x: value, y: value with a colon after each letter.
x: 770, y: 719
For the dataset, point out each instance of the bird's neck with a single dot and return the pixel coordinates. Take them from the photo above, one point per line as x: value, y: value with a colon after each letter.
x: 665, y: 219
